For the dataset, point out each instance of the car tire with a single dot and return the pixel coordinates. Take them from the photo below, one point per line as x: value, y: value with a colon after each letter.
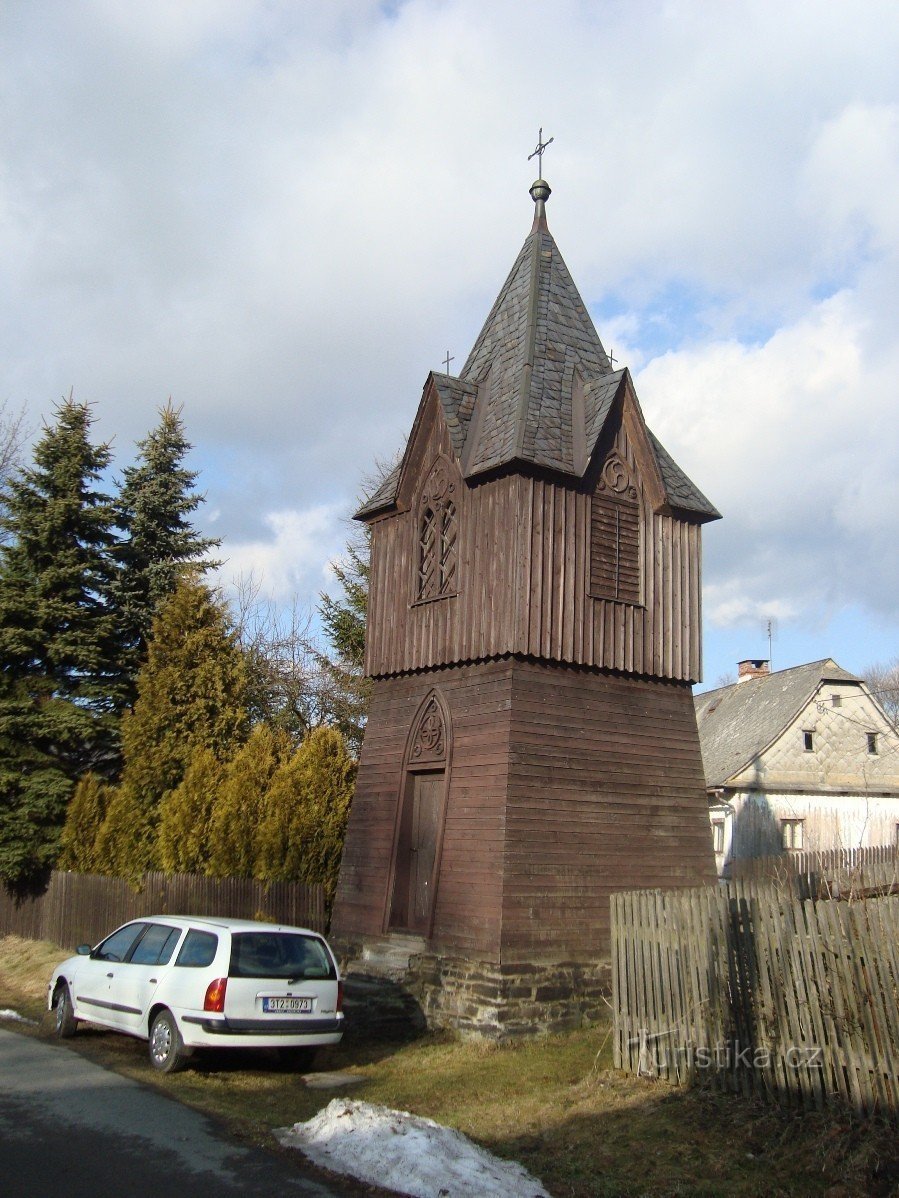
x: 66, y: 1023
x: 167, y: 1051
x: 299, y: 1059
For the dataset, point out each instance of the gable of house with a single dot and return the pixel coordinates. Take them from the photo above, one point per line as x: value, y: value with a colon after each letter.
x: 814, y: 727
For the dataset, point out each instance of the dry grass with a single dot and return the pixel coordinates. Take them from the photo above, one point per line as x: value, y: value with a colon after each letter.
x: 25, y: 968
x: 554, y: 1104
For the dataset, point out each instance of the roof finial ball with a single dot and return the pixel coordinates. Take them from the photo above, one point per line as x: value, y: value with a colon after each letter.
x: 540, y: 189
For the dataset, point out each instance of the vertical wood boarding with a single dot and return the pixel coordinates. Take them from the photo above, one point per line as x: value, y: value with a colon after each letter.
x: 82, y: 908
x: 761, y: 990
x: 523, y: 573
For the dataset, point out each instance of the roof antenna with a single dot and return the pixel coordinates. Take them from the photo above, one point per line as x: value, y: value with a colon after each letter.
x: 538, y: 152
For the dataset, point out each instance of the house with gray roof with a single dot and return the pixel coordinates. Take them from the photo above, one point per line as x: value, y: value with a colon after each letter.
x: 800, y: 759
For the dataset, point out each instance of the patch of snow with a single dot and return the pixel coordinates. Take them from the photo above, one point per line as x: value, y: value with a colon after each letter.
x: 9, y: 1013
x: 405, y: 1153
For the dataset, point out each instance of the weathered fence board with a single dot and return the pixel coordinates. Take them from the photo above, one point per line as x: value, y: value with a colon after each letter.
x: 762, y: 990
x: 812, y: 864
x: 82, y: 908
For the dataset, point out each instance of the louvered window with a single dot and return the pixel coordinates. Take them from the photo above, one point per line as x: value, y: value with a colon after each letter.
x: 615, y: 535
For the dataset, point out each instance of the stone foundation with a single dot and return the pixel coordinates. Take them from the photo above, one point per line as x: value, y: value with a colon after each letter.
x: 397, y: 988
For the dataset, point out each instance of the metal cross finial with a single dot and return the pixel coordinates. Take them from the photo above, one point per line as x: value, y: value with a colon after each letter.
x: 613, y: 361
x: 538, y: 153
x: 449, y: 358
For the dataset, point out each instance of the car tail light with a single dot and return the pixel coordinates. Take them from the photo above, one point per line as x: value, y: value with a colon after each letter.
x: 215, y: 995
x: 340, y: 996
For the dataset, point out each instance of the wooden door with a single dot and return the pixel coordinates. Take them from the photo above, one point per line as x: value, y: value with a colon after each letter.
x: 425, y: 814
x: 413, y: 895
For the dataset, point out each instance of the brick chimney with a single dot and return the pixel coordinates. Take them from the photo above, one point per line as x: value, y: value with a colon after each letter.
x: 752, y: 667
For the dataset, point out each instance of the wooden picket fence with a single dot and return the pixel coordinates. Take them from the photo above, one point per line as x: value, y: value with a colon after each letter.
x: 759, y: 990
x: 81, y: 908
x: 827, y: 863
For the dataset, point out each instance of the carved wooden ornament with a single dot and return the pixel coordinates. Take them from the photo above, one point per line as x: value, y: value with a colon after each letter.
x: 429, y: 741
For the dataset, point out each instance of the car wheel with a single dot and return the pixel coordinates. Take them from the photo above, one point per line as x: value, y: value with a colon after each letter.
x: 66, y: 1023
x: 301, y: 1059
x: 167, y: 1051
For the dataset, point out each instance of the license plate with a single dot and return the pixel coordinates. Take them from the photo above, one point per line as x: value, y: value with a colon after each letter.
x: 291, y: 1006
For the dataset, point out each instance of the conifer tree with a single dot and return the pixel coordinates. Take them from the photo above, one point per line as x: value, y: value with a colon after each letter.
x: 84, y: 818
x: 126, y: 842
x: 191, y: 697
x: 60, y: 675
x: 191, y: 693
x: 242, y: 802
x: 185, y: 816
x: 154, y: 505
x: 343, y: 620
x: 301, y: 837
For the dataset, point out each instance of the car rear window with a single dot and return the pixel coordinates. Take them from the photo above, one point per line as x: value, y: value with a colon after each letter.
x: 198, y: 949
x: 156, y: 945
x: 279, y: 955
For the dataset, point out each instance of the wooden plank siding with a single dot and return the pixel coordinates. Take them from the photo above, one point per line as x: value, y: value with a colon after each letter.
x: 562, y: 783
x: 523, y: 579
x: 467, y: 913
x: 605, y: 783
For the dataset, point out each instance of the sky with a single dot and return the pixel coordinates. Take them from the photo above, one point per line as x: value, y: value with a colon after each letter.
x: 283, y: 213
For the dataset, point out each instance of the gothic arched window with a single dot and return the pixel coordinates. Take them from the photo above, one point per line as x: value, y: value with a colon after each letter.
x: 437, y: 534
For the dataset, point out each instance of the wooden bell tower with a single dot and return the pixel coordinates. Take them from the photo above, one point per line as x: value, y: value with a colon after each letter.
x: 533, y: 633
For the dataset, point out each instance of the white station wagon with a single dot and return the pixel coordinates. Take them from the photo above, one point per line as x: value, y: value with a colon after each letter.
x: 184, y: 983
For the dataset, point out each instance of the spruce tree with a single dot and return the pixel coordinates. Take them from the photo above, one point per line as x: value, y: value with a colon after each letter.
x: 343, y: 621
x: 154, y: 505
x: 60, y: 675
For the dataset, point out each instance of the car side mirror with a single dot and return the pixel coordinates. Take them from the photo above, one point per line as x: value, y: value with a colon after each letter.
x: 84, y: 950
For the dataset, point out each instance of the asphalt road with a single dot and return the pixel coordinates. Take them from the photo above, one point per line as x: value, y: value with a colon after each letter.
x: 68, y: 1126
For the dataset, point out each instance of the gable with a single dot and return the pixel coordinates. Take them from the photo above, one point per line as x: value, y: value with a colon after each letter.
x: 439, y: 427
x: 825, y: 746
x: 751, y: 732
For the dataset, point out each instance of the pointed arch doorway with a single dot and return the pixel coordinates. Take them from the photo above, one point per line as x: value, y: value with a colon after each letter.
x: 418, y: 835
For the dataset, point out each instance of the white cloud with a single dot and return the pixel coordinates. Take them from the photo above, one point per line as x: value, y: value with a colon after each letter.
x: 283, y: 212
x: 293, y: 560
x: 796, y: 442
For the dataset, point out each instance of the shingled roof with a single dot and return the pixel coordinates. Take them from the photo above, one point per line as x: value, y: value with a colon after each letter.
x: 537, y: 388
x: 738, y: 722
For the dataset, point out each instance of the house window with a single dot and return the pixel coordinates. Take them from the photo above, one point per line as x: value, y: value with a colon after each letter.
x: 808, y: 742
x: 791, y: 834
x: 615, y: 527
x: 872, y: 742
x: 437, y: 535
x: 836, y: 700
x: 718, y: 835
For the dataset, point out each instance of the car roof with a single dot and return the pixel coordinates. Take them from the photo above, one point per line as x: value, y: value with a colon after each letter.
x: 228, y: 925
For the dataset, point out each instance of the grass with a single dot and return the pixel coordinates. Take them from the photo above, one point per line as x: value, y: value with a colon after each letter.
x: 554, y: 1104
